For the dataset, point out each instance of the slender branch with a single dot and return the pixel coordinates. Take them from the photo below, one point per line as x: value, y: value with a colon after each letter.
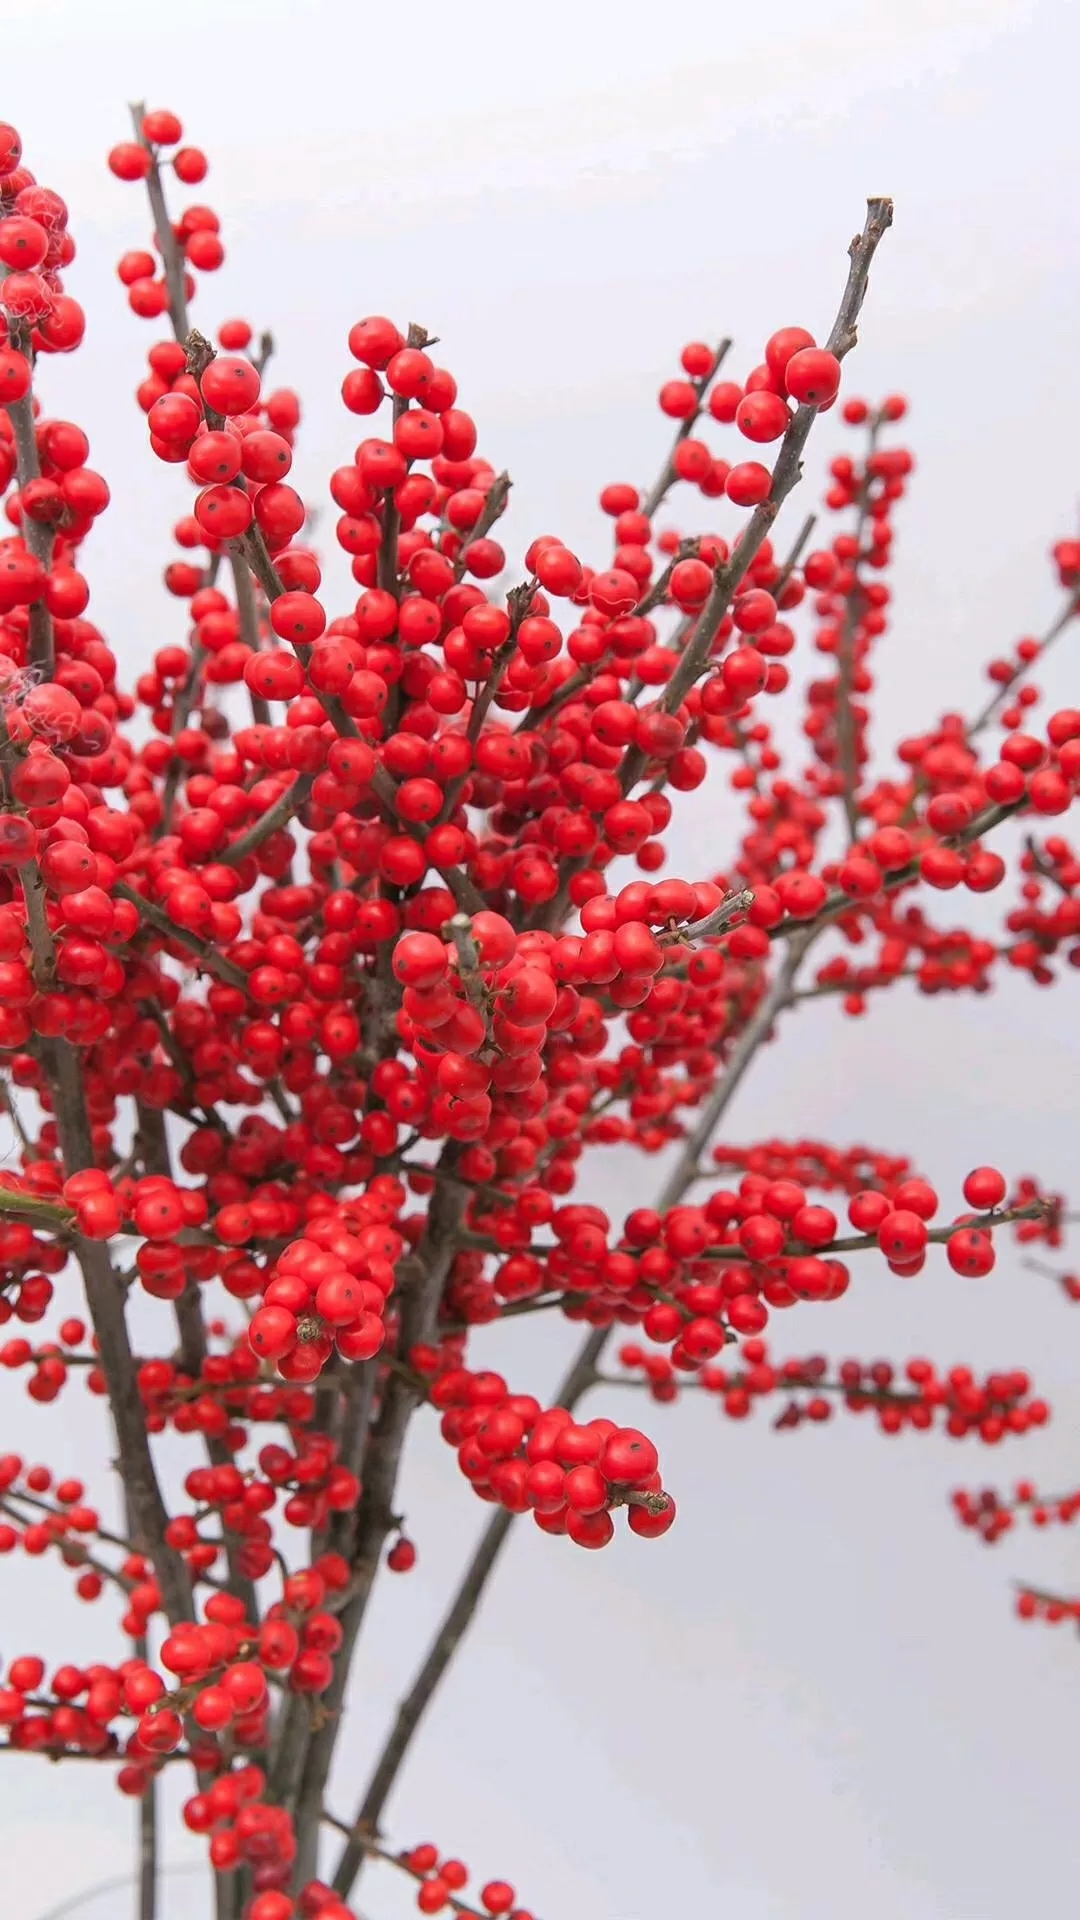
x: 148, y: 1850
x: 147, y: 1811
x: 667, y: 476
x: 7, y: 1102
x: 172, y: 259
x: 375, y: 1515
x: 847, y: 743
x: 211, y: 959
x: 839, y: 903
x: 1001, y: 694
x: 181, y: 713
x: 120, y: 1881
x: 248, y: 609
x: 461, y: 1908
x: 494, y: 505
x: 454, y: 1626
x: 39, y: 535
x: 786, y: 473
x: 105, y: 1296
x: 191, y: 1327
x: 283, y: 810
x: 728, y: 577
x: 387, y: 564
x: 794, y: 555
x: 757, y: 1030
x: 106, y: 1301
x: 721, y: 917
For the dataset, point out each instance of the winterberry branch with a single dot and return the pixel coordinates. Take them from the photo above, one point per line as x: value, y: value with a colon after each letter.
x: 786, y: 474
x: 208, y: 956
x: 455, y: 1624
x: 172, y: 259
x: 1001, y: 694
x: 417, y: 338
x: 667, y: 476
x: 794, y: 555
x: 847, y: 743
x: 839, y: 902
x: 38, y: 534
x: 284, y: 809
x: 248, y: 610
x: 375, y: 1513
x: 494, y: 506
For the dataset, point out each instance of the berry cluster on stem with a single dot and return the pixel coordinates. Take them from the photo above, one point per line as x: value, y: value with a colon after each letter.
x: 329, y: 948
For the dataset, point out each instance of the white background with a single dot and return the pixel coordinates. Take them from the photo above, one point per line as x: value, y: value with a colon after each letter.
x: 810, y: 1701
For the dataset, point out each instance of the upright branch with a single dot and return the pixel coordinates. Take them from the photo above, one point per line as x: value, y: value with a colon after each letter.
x: 847, y: 730
x: 172, y: 259
x: 788, y: 469
x: 314, y: 1060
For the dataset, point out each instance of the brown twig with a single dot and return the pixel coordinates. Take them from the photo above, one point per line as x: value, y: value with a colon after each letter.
x: 839, y: 903
x: 786, y: 473
x: 248, y: 609
x: 667, y: 476
x: 454, y: 1626
x: 1002, y: 694
x: 206, y: 953
x: 39, y: 535
x: 422, y: 1293
x: 847, y: 744
x: 494, y: 506
x: 172, y: 259
x: 283, y: 810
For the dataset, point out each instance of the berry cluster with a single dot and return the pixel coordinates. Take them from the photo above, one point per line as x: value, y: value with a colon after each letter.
x: 328, y: 950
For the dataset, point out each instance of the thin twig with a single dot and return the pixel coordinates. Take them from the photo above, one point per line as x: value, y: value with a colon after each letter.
x: 667, y: 476
x: 455, y: 1624
x: 786, y: 473
x: 847, y: 743
x: 172, y: 259
x: 494, y: 505
x: 39, y: 535
x: 283, y: 810
x: 208, y: 955
x: 1003, y: 693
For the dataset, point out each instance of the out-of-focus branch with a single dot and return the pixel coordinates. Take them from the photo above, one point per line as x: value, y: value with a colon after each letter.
x: 37, y: 534
x: 494, y: 505
x: 248, y: 609
x: 1003, y: 693
x: 847, y: 741
x: 795, y: 553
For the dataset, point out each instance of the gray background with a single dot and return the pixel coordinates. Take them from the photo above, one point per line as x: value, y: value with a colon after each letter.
x: 811, y: 1699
